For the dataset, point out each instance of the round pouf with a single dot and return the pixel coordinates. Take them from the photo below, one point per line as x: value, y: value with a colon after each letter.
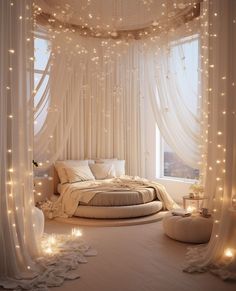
x: 192, y: 229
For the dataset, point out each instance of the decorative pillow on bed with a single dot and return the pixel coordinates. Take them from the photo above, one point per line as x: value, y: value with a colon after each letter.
x: 61, y: 165
x: 103, y: 171
x: 119, y: 165
x: 79, y: 174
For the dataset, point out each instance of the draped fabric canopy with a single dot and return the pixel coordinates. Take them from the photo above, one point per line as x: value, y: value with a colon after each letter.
x: 219, y: 159
x: 18, y: 238
x: 98, y: 92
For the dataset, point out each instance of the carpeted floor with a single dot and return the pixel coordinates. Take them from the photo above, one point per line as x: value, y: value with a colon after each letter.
x: 135, y: 258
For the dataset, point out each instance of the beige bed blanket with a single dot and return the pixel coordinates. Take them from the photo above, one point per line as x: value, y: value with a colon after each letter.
x: 74, y: 194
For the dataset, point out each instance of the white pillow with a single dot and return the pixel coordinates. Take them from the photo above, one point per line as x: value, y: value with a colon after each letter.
x: 103, y: 171
x: 119, y: 166
x: 61, y: 165
x: 78, y: 174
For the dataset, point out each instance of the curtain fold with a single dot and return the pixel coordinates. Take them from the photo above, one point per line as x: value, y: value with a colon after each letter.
x: 98, y: 91
x: 95, y: 105
x: 219, y: 256
x: 18, y: 240
x: 178, y: 123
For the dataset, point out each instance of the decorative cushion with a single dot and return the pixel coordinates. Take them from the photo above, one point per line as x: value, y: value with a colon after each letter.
x: 78, y: 174
x: 103, y: 171
x: 119, y: 166
x: 192, y: 229
x: 61, y: 165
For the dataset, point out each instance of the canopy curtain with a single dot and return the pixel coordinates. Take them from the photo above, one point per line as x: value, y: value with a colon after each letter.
x: 19, y: 243
x: 98, y: 91
x: 173, y: 95
x: 219, y: 40
x: 96, y: 107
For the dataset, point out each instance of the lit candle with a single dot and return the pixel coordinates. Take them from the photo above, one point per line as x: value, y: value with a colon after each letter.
x: 76, y: 232
x: 51, y: 240
x: 191, y: 209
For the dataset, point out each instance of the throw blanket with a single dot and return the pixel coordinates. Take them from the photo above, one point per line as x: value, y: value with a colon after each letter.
x: 73, y: 194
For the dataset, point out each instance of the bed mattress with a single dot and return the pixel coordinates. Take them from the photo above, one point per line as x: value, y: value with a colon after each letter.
x: 120, y: 198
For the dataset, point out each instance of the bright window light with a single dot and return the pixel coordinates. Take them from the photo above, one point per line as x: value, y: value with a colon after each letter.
x: 41, y: 57
x: 171, y: 165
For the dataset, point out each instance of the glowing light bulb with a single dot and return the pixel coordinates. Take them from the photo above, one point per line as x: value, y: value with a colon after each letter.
x: 229, y: 253
x: 48, y: 250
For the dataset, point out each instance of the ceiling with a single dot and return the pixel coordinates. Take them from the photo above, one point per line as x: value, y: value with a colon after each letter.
x: 111, y: 14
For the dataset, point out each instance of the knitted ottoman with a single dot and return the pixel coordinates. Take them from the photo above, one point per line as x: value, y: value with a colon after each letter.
x: 191, y: 229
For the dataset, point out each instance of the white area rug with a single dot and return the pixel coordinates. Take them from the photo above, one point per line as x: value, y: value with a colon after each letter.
x: 135, y: 258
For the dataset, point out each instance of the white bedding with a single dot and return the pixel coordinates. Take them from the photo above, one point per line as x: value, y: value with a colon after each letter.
x: 83, y: 192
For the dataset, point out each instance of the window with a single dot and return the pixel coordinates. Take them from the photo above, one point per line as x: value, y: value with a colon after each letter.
x: 174, y: 167
x: 41, y: 57
x: 171, y: 165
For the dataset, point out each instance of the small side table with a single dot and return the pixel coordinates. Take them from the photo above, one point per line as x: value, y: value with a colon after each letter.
x: 193, y: 204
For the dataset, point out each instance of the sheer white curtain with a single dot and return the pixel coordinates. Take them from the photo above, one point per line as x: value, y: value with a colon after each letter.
x: 172, y: 86
x: 19, y: 243
x: 219, y: 256
x: 96, y: 105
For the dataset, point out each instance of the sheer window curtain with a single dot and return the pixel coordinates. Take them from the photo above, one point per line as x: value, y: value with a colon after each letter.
x: 219, y: 256
x: 19, y: 242
x: 169, y: 88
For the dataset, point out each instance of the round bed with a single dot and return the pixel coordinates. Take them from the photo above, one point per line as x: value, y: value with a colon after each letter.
x: 119, y: 201
x: 120, y: 204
